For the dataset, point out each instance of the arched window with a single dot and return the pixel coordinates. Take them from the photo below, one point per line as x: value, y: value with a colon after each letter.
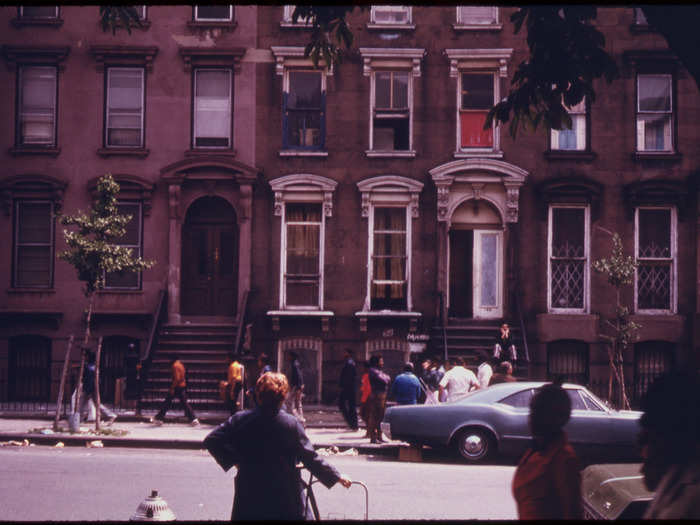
x: 29, y: 371
x: 651, y: 359
x: 568, y: 359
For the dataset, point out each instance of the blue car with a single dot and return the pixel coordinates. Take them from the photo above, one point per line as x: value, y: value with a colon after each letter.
x: 494, y: 421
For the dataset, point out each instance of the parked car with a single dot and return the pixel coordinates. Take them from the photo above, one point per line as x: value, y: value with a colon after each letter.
x: 495, y: 420
x: 614, y: 492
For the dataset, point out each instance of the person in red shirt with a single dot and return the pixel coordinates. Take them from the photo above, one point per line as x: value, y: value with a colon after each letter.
x: 547, y: 481
x: 177, y: 389
x: 365, y: 391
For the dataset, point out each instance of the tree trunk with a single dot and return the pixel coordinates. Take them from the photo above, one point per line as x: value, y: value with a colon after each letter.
x: 64, y: 373
x: 82, y: 355
x: 98, y: 401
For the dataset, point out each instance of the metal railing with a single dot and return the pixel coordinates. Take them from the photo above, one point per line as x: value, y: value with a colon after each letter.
x: 240, y: 321
x: 159, y: 316
x: 521, y: 321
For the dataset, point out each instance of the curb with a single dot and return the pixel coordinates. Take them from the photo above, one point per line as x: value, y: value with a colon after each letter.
x: 174, y: 444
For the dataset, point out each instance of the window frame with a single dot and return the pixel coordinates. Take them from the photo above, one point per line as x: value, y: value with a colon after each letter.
x: 19, y: 107
x: 22, y: 16
x: 671, y: 114
x: 673, y: 259
x: 196, y: 18
x: 284, y: 254
x: 586, y: 132
x: 286, y: 86
x: 587, y: 259
x: 287, y: 12
x: 140, y: 247
x: 407, y: 9
x: 495, y: 140
x: 107, y: 145
x: 461, y: 23
x: 193, y: 142
x: 373, y: 108
x: 16, y: 242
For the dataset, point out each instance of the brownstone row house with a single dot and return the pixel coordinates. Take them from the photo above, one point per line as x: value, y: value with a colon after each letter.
x: 363, y: 206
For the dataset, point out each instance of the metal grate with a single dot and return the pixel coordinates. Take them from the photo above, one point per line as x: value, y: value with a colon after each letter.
x: 651, y: 359
x: 567, y: 284
x: 568, y: 359
x: 654, y: 286
x: 29, y: 372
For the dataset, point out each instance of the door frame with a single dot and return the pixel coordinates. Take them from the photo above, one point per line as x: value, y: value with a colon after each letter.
x: 479, y: 312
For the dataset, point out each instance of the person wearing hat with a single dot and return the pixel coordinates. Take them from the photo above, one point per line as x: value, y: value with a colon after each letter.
x: 406, y: 387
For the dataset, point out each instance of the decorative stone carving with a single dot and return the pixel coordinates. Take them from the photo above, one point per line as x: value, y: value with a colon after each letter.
x: 31, y: 187
x: 209, y: 57
x: 365, y: 204
x: 398, y: 57
x: 316, y: 187
x: 328, y: 204
x: 44, y: 55
x: 279, y: 202
x: 397, y: 188
x: 285, y: 54
x: 414, y: 205
x: 512, y: 200
x: 124, y: 55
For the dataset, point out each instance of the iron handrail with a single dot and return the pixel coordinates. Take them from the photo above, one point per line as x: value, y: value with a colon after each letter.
x: 240, y: 321
x: 443, y: 322
x: 154, y: 326
x: 145, y: 361
x: 522, y: 324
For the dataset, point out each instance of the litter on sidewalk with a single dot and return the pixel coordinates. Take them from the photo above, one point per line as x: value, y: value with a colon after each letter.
x: 335, y: 451
x: 59, y: 445
x: 94, y: 444
x: 14, y: 443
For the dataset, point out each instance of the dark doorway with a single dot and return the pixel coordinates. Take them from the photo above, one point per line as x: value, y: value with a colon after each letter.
x: 113, y: 364
x: 461, y: 274
x: 209, y: 258
x: 29, y: 373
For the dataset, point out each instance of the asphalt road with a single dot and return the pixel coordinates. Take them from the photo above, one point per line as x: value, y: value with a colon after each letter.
x: 42, y: 483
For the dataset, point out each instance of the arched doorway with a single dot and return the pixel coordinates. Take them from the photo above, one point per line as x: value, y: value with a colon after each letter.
x: 209, y: 258
x: 476, y: 261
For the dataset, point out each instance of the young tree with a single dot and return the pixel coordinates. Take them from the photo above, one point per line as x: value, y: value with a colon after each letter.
x: 619, y: 270
x: 92, y: 252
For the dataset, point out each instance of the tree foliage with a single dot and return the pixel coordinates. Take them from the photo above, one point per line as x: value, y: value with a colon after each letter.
x: 91, y: 249
x: 114, y: 17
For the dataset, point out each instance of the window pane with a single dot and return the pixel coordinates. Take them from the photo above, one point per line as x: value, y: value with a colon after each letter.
x: 654, y: 233
x: 519, y: 399
x: 33, y: 266
x: 125, y: 107
x: 489, y: 270
x: 654, y: 286
x: 34, y: 223
x: 37, y: 105
x: 391, y: 134
x: 304, y: 128
x: 303, y: 212
x: 473, y: 133
x: 39, y: 11
x: 576, y: 401
x: 477, y: 14
x: 133, y: 228
x: 400, y: 90
x: 477, y: 91
x: 654, y: 132
x: 122, y: 279
x: 304, y: 90
x: 568, y: 232
x: 302, y: 294
x: 654, y: 93
x: 212, y: 108
x: 125, y: 89
x: 213, y: 12
x: 382, y: 89
x: 639, y: 17
x: 387, y: 14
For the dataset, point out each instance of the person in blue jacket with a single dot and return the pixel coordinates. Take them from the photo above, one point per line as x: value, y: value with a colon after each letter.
x: 406, y: 387
x: 265, y: 444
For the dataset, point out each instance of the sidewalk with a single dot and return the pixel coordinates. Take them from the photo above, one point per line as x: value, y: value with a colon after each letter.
x: 174, y: 434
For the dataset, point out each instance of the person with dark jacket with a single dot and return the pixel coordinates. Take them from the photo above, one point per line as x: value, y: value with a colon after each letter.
x: 89, y: 373
x: 348, y: 391
x: 379, y: 382
x: 406, y: 386
x: 504, y: 348
x: 265, y: 444
x: 296, y: 388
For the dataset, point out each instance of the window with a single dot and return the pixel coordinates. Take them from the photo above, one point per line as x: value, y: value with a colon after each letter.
x: 210, y: 13
x: 391, y: 119
x: 575, y: 398
x: 34, y: 242
x: 389, y: 256
x: 573, y: 138
x: 477, y: 15
x: 390, y: 15
x: 304, y: 108
x: 287, y: 17
x: 591, y: 402
x: 212, y: 108
x: 125, y: 102
x: 130, y: 239
x: 519, y: 399
x: 38, y: 11
x: 36, y: 109
x: 477, y: 97
x: 568, y: 258
x: 29, y: 370
x: 303, y: 234
x: 655, y: 247
x: 639, y: 18
x: 654, y: 113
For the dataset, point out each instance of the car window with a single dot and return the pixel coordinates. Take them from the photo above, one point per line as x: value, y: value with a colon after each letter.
x: 519, y: 399
x: 590, y: 403
x: 576, y: 401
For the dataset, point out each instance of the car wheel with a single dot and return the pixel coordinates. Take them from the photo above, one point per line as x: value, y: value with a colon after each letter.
x: 475, y: 444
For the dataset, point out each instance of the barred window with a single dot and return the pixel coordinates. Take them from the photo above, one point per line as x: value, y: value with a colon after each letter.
x: 568, y: 258
x: 656, y: 258
x: 568, y: 359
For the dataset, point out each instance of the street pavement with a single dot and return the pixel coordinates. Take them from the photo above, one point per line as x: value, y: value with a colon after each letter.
x: 45, y: 483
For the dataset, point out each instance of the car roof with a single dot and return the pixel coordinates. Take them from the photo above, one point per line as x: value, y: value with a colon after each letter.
x: 500, y: 390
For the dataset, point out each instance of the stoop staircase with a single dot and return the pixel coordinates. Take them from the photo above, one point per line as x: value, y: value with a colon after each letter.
x: 472, y: 339
x: 203, y: 347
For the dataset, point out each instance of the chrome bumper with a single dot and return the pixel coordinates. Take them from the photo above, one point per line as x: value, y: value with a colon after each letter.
x: 386, y: 429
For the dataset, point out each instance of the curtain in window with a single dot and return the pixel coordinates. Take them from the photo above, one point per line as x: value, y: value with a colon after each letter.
x: 212, y: 108
x: 303, y: 250
x: 474, y: 14
x: 34, y: 244
x: 125, y: 99
x: 38, y: 103
x: 389, y: 252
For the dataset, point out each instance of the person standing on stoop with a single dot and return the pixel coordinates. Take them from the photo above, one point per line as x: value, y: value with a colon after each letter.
x: 178, y: 389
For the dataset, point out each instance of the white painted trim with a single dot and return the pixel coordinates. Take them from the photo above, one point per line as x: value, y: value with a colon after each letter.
x: 300, y: 313
x: 674, y: 262
x: 587, y: 264
x: 200, y: 19
x: 301, y: 153
x: 495, y: 130
x: 496, y: 59
x: 466, y: 24
x: 111, y: 70
x: 373, y: 15
x: 387, y: 313
x: 293, y: 56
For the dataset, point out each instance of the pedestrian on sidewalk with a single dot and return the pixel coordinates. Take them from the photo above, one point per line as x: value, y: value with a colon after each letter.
x: 265, y: 444
x: 484, y: 374
x: 347, y: 399
x: 504, y: 374
x: 457, y: 381
x: 263, y: 367
x: 406, y: 386
x: 89, y: 373
x: 296, y: 388
x: 365, y: 391
x: 234, y: 378
x: 670, y: 440
x: 504, y: 348
x: 547, y: 481
x: 178, y: 388
x: 379, y: 381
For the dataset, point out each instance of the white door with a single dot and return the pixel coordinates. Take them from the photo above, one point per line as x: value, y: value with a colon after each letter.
x: 487, y: 274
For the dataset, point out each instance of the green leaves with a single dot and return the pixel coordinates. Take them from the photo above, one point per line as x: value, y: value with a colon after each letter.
x: 117, y: 16
x: 91, y: 249
x: 618, y: 268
